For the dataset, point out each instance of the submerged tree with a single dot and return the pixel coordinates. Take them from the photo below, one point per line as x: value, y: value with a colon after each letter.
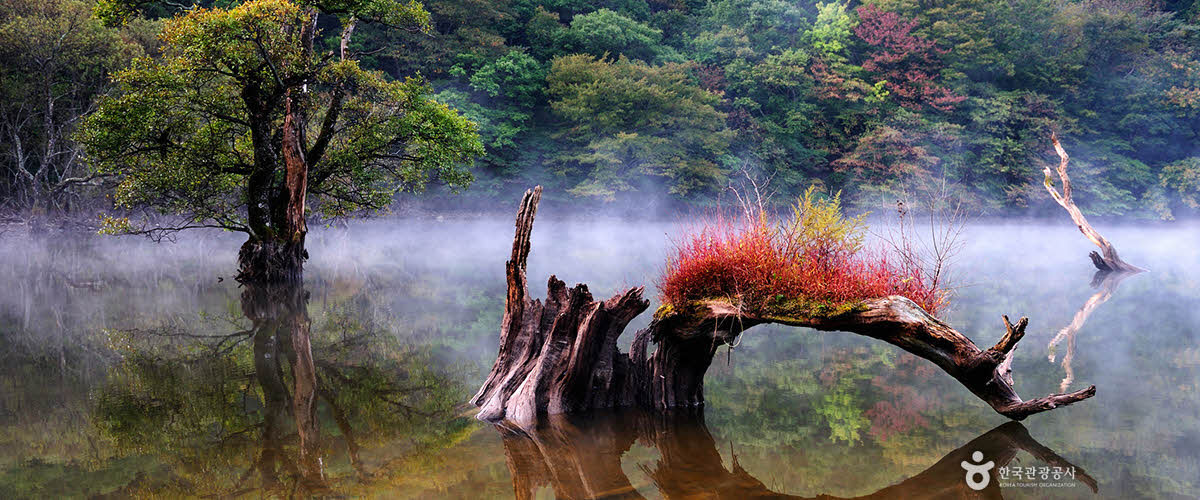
x: 1109, y: 261
x: 250, y: 112
x: 560, y: 355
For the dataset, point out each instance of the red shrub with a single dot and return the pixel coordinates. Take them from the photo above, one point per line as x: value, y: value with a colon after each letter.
x: 757, y: 263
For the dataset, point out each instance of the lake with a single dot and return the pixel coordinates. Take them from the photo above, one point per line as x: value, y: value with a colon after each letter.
x: 131, y: 368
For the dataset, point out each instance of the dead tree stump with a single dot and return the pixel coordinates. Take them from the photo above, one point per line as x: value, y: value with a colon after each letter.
x: 1108, y: 261
x: 561, y: 355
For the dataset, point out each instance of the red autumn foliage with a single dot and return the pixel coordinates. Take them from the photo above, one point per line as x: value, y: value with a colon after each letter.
x: 757, y: 263
x: 909, y: 63
x: 711, y: 77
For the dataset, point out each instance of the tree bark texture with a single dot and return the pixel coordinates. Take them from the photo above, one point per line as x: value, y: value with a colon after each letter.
x: 1108, y: 260
x: 271, y: 260
x: 276, y: 254
x: 560, y: 355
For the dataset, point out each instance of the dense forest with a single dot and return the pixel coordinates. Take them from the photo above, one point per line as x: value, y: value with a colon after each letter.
x: 652, y: 104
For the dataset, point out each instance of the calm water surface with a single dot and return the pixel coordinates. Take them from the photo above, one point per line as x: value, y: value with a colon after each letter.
x: 129, y: 368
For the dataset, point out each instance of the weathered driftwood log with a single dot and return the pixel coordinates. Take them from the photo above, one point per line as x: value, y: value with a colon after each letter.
x: 1109, y: 261
x: 581, y: 458
x: 900, y: 322
x: 560, y: 356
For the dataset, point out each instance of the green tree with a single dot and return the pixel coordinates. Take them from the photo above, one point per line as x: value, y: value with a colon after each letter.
x: 831, y: 34
x: 462, y: 36
x: 517, y: 76
x: 245, y: 118
x: 770, y: 24
x: 898, y: 155
x: 1184, y: 178
x: 775, y: 99
x: 544, y: 34
x: 629, y: 123
x: 54, y: 58
x: 607, y: 32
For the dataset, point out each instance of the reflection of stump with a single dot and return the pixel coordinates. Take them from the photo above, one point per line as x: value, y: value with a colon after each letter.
x: 577, y: 461
x: 580, y: 457
x: 1106, y: 283
x: 561, y: 356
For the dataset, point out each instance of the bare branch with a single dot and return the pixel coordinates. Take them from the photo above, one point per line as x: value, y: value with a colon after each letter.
x: 1109, y: 261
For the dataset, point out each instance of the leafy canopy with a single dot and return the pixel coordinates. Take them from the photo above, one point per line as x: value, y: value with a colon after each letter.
x: 629, y: 122
x: 196, y: 132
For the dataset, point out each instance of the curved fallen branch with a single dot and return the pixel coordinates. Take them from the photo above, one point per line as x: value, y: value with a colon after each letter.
x: 1109, y: 261
x: 897, y: 321
x: 561, y: 355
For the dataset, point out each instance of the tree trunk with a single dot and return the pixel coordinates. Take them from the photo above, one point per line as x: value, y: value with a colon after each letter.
x: 277, y: 255
x: 295, y: 173
x: 1109, y: 261
x: 560, y: 356
x: 271, y: 261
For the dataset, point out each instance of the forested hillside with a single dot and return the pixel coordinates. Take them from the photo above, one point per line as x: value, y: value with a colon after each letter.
x: 653, y: 103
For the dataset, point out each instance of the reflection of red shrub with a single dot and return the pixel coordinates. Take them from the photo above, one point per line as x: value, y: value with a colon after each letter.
x: 906, y: 404
x: 752, y: 260
x: 888, y: 418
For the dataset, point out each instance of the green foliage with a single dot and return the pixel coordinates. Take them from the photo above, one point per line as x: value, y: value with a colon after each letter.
x: 400, y: 13
x: 605, y: 32
x: 960, y: 93
x: 830, y: 35
x: 404, y: 13
x: 819, y: 221
x: 545, y: 34
x: 1184, y: 178
x: 191, y: 132
x: 628, y: 122
x: 516, y: 76
x: 769, y: 24
x: 54, y: 59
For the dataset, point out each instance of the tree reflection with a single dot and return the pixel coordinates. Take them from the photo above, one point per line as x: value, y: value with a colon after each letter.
x: 1105, y: 283
x: 271, y: 409
x: 281, y: 332
x: 581, y: 458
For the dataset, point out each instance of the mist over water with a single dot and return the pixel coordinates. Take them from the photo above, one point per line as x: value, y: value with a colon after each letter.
x: 804, y: 412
